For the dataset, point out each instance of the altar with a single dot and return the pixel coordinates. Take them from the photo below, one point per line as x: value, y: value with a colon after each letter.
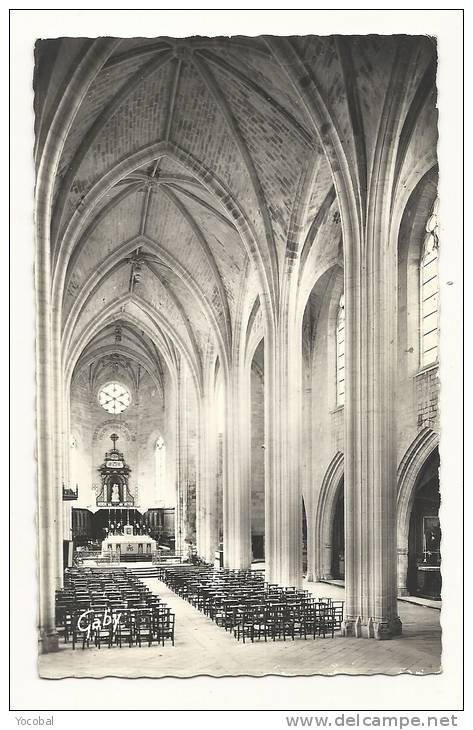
x: 115, y: 496
x: 128, y: 544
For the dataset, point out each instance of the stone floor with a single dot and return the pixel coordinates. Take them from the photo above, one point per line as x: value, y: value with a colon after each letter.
x: 202, y: 648
x: 418, y: 600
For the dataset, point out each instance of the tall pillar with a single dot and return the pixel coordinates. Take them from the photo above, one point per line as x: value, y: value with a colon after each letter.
x: 326, y: 561
x: 311, y: 543
x: 207, y: 503
x: 236, y: 482
x: 66, y: 460
x: 402, y: 565
x: 61, y: 468
x: 48, y: 334
x: 370, y: 435
x: 67, y: 520
x: 306, y: 471
x: 283, y: 495
x: 48, y: 505
x: 183, y: 405
x: 182, y: 470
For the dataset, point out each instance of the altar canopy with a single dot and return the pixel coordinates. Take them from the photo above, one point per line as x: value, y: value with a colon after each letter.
x: 114, y: 474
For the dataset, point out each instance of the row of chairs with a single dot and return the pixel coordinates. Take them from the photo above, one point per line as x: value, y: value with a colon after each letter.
x: 111, y: 607
x: 129, y: 627
x: 303, y: 618
x: 250, y: 608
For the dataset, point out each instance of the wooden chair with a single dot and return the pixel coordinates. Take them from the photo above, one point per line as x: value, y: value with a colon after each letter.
x: 164, y: 626
x: 78, y: 630
x: 274, y: 620
x: 312, y: 619
x: 245, y: 623
x: 226, y: 615
x: 338, y: 612
x: 292, y: 618
x: 103, y: 633
x: 69, y: 617
x: 329, y: 621
x: 143, y: 626
x: 125, y: 629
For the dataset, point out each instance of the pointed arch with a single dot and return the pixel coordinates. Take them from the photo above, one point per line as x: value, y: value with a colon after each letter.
x: 325, y: 512
x: 140, y: 359
x: 409, y: 469
x: 194, y: 167
x: 153, y: 333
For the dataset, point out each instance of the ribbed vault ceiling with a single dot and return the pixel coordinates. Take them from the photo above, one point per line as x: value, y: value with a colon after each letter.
x: 178, y: 150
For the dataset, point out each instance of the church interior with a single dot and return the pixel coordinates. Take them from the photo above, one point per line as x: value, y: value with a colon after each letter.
x: 237, y: 355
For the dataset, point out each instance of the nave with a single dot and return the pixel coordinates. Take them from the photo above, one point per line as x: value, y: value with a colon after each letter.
x: 238, y: 326
x: 203, y: 648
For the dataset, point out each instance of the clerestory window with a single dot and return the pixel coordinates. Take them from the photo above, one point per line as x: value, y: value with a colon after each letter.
x: 340, y: 365
x: 429, y: 292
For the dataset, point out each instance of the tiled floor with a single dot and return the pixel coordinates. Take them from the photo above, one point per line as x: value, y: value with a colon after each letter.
x: 202, y: 648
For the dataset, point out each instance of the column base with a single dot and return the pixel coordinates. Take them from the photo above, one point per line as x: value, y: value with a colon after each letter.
x: 371, y: 629
x: 402, y: 592
x: 48, y: 641
x: 284, y: 579
x: 236, y: 565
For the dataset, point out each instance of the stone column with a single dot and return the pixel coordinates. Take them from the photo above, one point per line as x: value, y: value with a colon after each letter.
x: 327, y: 551
x: 60, y: 439
x: 306, y: 471
x: 67, y: 505
x: 61, y: 468
x: 283, y: 495
x: 66, y: 460
x: 48, y: 505
x: 48, y: 358
x: 67, y: 520
x: 311, y: 543
x: 402, y: 565
x: 207, y: 503
x: 236, y: 483
x: 370, y: 435
x: 181, y: 464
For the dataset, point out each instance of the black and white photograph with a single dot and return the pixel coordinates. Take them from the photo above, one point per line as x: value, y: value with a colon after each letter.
x: 238, y: 284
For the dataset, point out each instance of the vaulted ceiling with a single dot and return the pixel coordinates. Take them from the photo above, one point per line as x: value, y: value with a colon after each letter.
x: 176, y: 185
